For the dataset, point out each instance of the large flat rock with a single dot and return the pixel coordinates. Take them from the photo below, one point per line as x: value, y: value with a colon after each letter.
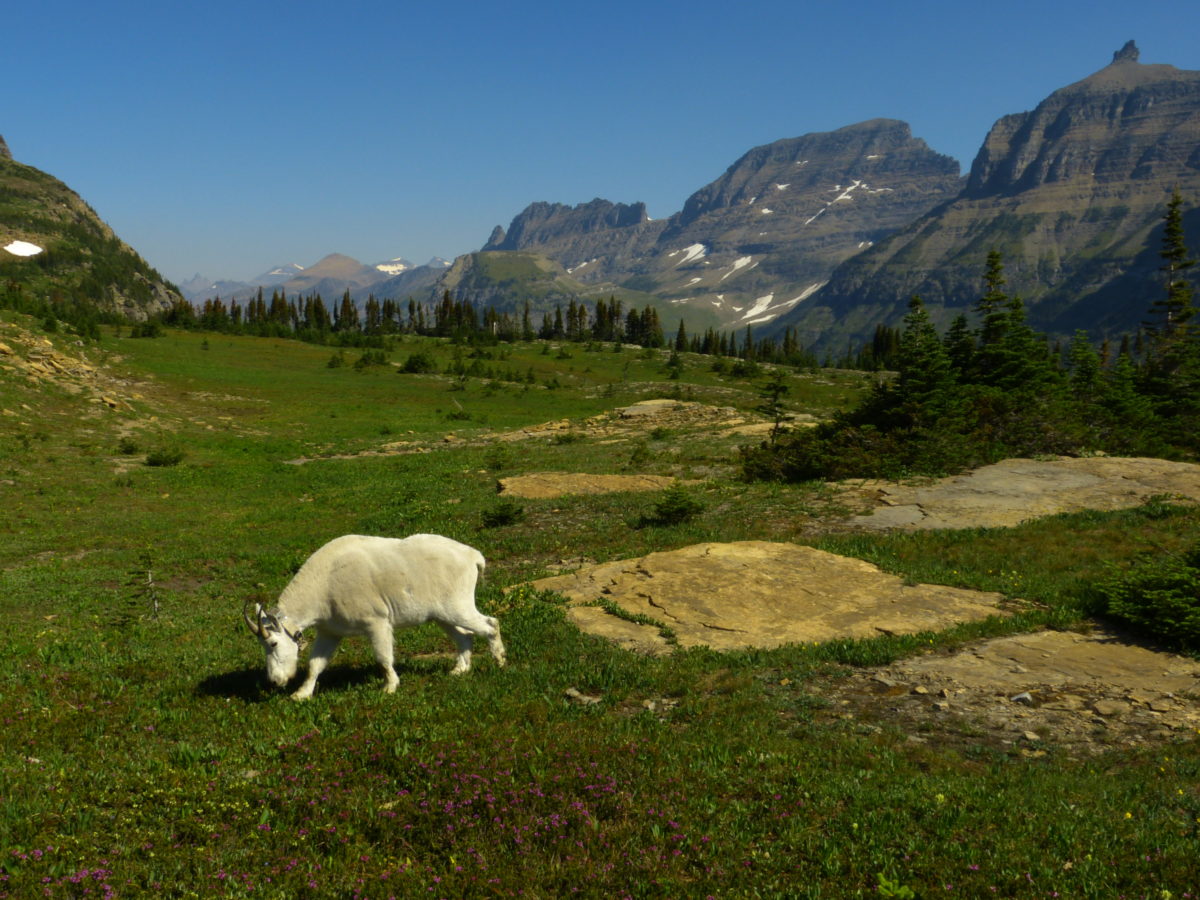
x: 1014, y: 490
x: 758, y: 594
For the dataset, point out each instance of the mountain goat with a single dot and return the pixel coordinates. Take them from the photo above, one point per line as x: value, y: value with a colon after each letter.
x: 371, y: 585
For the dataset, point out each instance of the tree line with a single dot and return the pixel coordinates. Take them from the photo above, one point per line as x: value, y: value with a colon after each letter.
x: 975, y: 395
x: 309, y: 318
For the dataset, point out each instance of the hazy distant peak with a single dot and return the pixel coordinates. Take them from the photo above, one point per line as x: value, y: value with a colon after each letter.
x: 4, y: 152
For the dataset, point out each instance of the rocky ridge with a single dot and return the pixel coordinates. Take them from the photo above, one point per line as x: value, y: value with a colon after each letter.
x: 762, y: 237
x: 1072, y: 193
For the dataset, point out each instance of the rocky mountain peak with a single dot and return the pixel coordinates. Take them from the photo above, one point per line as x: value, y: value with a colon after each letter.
x: 1070, y: 192
x: 544, y: 223
x: 1128, y: 53
x: 4, y: 151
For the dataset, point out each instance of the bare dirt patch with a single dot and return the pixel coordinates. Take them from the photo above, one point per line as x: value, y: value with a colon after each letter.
x: 547, y: 485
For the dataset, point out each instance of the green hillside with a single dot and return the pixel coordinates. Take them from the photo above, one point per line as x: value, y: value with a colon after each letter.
x: 83, y: 262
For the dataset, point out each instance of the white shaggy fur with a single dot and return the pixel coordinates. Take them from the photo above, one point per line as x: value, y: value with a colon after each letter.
x: 372, y: 585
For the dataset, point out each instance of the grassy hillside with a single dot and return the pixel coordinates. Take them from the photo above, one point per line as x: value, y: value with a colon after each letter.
x: 143, y: 754
x: 83, y: 261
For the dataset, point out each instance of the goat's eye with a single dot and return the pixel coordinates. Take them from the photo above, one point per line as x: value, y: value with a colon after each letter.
x: 271, y: 645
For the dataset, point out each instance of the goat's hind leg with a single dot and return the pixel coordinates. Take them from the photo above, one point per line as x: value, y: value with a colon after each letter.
x: 487, y: 627
x: 463, y: 641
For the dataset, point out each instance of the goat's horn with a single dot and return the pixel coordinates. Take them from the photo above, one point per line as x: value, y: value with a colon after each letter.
x: 255, y: 627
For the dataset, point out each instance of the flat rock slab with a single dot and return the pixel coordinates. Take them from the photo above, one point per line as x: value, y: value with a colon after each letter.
x: 1014, y: 490
x: 758, y: 594
x: 545, y: 485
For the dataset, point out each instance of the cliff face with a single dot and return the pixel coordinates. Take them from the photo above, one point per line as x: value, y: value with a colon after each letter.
x: 1072, y: 193
x: 751, y: 243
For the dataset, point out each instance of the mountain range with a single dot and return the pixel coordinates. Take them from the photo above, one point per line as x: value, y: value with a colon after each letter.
x: 332, y: 275
x: 832, y: 233
x: 828, y: 234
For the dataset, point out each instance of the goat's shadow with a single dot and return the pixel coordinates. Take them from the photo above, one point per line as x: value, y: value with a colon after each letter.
x: 250, y: 685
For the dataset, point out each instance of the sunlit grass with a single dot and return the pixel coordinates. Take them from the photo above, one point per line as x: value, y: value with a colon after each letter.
x: 145, y: 756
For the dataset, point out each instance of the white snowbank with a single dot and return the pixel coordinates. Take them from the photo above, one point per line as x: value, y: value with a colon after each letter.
x: 739, y: 263
x: 760, y: 306
x: 23, y: 248
x: 694, y: 251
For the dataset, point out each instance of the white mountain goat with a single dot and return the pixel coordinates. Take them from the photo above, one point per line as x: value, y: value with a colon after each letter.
x: 372, y: 585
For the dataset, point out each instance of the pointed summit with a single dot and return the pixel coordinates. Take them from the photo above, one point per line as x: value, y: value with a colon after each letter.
x: 1128, y: 53
x: 4, y: 152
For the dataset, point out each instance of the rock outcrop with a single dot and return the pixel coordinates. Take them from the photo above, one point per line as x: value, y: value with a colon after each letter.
x: 758, y: 594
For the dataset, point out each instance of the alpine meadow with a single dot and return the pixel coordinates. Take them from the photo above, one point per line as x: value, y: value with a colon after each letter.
x: 842, y: 547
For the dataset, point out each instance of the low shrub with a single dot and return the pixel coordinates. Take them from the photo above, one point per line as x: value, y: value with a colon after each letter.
x: 676, y: 506
x: 505, y: 512
x: 165, y: 456
x: 419, y: 363
x: 1159, y: 596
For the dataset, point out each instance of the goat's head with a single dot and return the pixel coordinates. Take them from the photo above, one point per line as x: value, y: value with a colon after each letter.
x: 281, y: 646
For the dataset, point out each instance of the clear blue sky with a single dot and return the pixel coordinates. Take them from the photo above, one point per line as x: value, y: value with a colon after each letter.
x: 227, y: 137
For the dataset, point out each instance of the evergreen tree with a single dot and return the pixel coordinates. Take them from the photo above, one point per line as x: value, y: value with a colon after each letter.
x: 959, y: 343
x: 924, y: 385
x: 1171, y: 374
x: 681, y: 339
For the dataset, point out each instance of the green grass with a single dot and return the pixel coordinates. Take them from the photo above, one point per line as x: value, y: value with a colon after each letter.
x: 146, y: 756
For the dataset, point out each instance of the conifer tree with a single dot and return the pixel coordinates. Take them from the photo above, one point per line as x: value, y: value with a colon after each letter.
x: 681, y: 339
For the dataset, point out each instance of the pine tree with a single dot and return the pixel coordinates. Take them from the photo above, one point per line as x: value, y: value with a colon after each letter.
x: 1173, y: 312
x: 681, y: 339
x: 959, y: 343
x: 924, y: 385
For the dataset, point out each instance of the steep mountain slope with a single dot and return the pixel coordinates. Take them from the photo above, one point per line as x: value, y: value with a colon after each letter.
x: 52, y: 244
x: 762, y: 236
x: 1072, y: 194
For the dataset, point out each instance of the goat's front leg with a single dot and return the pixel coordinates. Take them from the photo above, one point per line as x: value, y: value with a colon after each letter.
x: 322, y: 652
x: 383, y: 643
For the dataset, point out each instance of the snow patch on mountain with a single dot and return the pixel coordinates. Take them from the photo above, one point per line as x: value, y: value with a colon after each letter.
x: 739, y: 263
x: 761, y: 305
x: 694, y: 251
x: 23, y: 248
x: 394, y: 266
